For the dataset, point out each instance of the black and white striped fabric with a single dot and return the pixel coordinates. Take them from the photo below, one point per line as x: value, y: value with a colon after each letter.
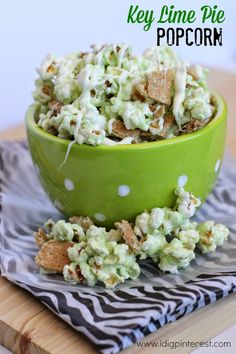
x: 112, y: 319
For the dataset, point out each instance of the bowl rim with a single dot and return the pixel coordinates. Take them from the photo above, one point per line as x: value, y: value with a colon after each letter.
x: 219, y: 117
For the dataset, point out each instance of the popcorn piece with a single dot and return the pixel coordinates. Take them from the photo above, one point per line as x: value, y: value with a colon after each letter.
x: 53, y: 255
x: 63, y: 231
x: 175, y: 256
x: 198, y: 103
x: 136, y: 115
x: 49, y: 67
x: 189, y: 238
x: 186, y: 203
x: 43, y: 92
x: 142, y: 222
x: 156, y: 218
x: 152, y: 246
x: 72, y: 273
x: 211, y: 236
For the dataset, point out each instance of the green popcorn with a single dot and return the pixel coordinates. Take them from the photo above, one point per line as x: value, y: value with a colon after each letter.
x: 66, y: 81
x: 164, y: 57
x: 152, y: 246
x: 156, y: 218
x: 63, y: 231
x: 109, y: 276
x: 154, y: 227
x: 79, y: 234
x: 161, y: 220
x: 120, y: 251
x: 96, y: 232
x: 165, y: 235
x: 89, y: 276
x: 73, y: 274
x: 168, y: 264
x: 142, y: 224
x: 101, y: 83
x: 112, y: 55
x: 175, y: 256
x: 136, y: 115
x: 48, y: 225
x: 197, y: 101
x: 188, y: 237
x: 98, y: 246
x: 172, y: 221
x: 44, y: 91
x: 100, y: 259
x: 186, y: 202
x: 211, y: 236
x: 49, y: 67
x: 125, y: 90
x: 70, y: 118
x: 74, y: 252
x: 91, y: 77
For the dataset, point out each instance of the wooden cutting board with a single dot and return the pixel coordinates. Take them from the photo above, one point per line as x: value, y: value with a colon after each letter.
x: 28, y: 327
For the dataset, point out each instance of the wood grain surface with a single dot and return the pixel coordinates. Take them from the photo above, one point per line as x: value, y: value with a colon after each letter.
x: 28, y: 327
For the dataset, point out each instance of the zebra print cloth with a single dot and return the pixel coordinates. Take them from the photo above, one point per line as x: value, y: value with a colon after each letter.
x: 112, y: 319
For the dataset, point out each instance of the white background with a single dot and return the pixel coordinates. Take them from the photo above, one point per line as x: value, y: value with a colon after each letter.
x: 31, y: 29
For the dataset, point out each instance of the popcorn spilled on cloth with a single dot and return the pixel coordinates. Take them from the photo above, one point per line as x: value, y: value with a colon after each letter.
x: 88, y: 254
x: 109, y: 96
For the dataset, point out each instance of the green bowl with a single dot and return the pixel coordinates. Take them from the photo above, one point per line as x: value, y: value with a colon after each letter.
x: 110, y: 183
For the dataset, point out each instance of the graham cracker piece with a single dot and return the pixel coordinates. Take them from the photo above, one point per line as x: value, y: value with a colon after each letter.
x: 128, y: 234
x: 159, y: 86
x: 53, y: 255
x: 192, y: 126
x: 139, y: 91
x: 169, y: 121
x: 159, y: 112
x: 119, y: 130
x: 84, y: 222
x: 148, y: 136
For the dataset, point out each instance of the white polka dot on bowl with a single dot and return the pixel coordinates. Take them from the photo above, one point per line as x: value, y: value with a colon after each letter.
x: 69, y: 185
x: 123, y: 190
x: 182, y: 180
x: 217, y: 165
x: 58, y: 205
x: 100, y: 217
